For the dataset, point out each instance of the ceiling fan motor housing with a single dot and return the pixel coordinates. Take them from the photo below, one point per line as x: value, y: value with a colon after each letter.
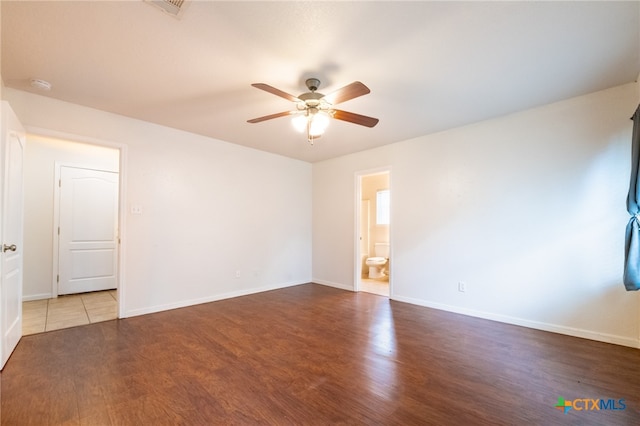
x: 311, y: 99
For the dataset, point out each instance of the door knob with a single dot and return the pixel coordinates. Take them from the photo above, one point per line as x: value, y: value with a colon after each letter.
x: 12, y: 247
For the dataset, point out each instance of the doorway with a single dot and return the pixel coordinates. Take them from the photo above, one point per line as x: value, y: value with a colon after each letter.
x: 373, y: 235
x: 49, y: 163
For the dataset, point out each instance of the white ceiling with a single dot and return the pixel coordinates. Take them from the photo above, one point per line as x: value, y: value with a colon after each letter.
x: 430, y: 65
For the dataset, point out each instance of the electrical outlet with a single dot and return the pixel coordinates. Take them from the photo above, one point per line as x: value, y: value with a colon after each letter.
x: 237, y: 273
x: 462, y: 286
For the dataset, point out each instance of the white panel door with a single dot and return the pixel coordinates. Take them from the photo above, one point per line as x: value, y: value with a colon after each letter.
x: 88, y: 230
x: 13, y: 142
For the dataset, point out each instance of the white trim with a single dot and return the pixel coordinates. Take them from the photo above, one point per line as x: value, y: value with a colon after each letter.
x: 55, y: 257
x: 357, y: 274
x: 537, y: 325
x: 41, y: 296
x: 332, y: 284
x: 122, y: 148
x: 207, y: 299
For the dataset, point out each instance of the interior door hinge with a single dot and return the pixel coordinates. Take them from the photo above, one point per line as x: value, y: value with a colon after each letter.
x: 57, y: 278
x: 58, y: 230
x: 59, y: 183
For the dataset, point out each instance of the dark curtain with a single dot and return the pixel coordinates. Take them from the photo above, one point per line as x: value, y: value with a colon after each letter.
x: 632, y: 236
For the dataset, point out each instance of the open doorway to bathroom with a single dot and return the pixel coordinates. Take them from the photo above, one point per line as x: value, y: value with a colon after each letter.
x: 373, y: 242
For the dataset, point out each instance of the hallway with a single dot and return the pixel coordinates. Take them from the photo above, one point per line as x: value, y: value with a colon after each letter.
x: 68, y: 311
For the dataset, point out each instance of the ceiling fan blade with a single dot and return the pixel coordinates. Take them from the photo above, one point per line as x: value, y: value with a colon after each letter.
x: 275, y: 91
x: 348, y: 92
x: 269, y: 117
x: 351, y: 117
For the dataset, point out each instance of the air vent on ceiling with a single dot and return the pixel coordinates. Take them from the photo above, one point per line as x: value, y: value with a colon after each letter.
x: 172, y: 7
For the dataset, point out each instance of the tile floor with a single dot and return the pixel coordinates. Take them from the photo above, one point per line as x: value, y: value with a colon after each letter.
x: 379, y: 287
x: 68, y: 311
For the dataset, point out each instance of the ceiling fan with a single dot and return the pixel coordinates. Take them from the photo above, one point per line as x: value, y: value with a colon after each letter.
x: 314, y: 110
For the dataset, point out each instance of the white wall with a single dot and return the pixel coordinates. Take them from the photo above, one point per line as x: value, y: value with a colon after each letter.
x: 527, y: 209
x: 41, y: 155
x: 209, y: 209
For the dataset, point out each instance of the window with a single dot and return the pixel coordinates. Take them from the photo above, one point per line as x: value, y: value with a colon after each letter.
x: 382, y: 207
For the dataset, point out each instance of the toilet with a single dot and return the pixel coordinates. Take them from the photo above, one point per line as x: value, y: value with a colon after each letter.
x: 376, y: 264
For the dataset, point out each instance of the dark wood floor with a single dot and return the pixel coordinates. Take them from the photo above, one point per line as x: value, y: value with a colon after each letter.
x: 311, y: 355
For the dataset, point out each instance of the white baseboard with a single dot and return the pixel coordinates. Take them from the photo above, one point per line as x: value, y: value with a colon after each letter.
x: 537, y: 325
x: 332, y: 284
x: 32, y: 297
x: 207, y: 299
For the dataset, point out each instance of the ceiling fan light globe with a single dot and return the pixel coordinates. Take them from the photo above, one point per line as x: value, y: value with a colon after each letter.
x: 299, y: 122
x: 319, y: 123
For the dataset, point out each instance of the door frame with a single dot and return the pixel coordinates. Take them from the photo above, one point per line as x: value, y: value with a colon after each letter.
x: 58, y: 165
x: 357, y: 273
x: 121, y: 247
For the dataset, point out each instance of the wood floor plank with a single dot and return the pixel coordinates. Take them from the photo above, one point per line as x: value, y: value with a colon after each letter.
x: 310, y: 355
